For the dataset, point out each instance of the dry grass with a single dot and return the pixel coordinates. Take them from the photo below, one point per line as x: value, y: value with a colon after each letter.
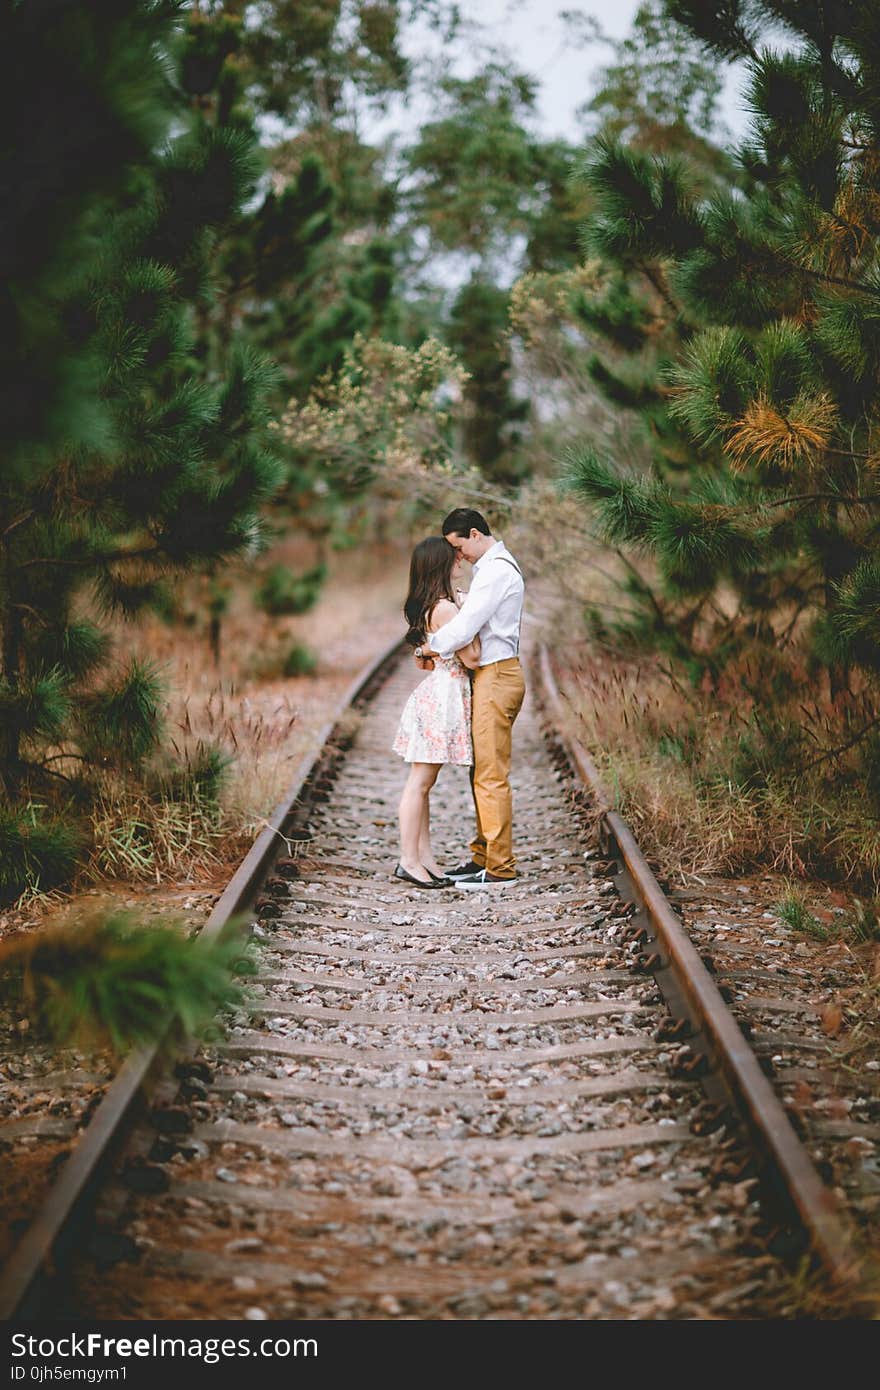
x: 628, y: 718
x: 674, y: 766
x: 264, y: 725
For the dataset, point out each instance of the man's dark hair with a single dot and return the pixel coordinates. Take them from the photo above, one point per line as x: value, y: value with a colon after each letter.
x: 464, y: 520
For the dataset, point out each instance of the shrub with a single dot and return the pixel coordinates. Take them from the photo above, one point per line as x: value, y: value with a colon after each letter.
x: 282, y: 592
x: 36, y: 851
x: 300, y: 661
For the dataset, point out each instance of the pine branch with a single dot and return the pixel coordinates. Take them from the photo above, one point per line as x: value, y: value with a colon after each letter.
x: 654, y: 277
x: 110, y: 981
x: 843, y: 747
x: 825, y: 278
x: 19, y: 521
x: 643, y: 587
x: 28, y: 608
x: 785, y: 635
x: 859, y: 500
x: 43, y: 770
x: 112, y: 557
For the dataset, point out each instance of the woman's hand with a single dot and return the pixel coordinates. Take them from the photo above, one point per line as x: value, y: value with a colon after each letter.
x: 424, y: 660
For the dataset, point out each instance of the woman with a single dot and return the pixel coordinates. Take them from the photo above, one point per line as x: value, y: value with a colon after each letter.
x: 435, y: 727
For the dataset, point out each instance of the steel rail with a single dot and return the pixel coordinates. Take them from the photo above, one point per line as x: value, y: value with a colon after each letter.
x: 765, y: 1119
x: 31, y: 1268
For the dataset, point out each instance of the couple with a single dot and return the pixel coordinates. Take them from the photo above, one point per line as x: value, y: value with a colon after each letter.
x: 463, y: 712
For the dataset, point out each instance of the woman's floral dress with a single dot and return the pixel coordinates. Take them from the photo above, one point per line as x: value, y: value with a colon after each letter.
x: 435, y: 726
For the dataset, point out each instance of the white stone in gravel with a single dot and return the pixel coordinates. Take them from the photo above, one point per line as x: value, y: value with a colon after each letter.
x: 644, y: 1160
x: 243, y: 1283
x: 225, y: 1175
x: 304, y: 1279
x: 256, y: 1315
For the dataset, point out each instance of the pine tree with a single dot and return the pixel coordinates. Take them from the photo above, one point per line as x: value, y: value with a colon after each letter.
x: 307, y: 265
x: 492, y: 415
x: 157, y: 463
x: 660, y: 91
x: 83, y: 101
x: 770, y: 290
x: 284, y: 276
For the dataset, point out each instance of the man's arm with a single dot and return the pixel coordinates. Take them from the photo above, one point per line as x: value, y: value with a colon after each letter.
x: 477, y: 608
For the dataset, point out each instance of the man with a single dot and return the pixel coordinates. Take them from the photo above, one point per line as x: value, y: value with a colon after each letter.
x: 492, y: 609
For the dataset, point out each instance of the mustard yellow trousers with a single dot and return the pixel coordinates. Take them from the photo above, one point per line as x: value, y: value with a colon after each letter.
x: 497, y: 698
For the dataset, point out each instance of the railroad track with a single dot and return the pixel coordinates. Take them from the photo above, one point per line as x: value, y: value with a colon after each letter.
x: 528, y: 1102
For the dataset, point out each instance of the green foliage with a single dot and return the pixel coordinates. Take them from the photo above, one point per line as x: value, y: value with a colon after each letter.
x: 76, y: 649
x: 301, y: 62
x: 37, y: 851
x: 765, y: 751
x: 854, y: 622
x: 472, y: 166
x: 283, y: 592
x: 154, y: 457
x: 647, y: 208
x: 857, y: 925
x: 627, y: 388
x: 385, y: 411
x: 492, y: 414
x: 631, y: 506
x: 741, y: 313
x: 299, y: 661
x: 619, y: 314
x: 695, y: 545
x: 730, y: 27
x: 199, y: 778
x: 123, y: 719
x: 38, y: 707
x: 794, y: 913
x: 109, y: 981
x: 84, y: 103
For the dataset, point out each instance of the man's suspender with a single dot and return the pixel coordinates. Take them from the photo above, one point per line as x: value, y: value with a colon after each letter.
x: 508, y: 560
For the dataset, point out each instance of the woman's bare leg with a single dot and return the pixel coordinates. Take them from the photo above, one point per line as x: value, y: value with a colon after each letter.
x: 413, y: 804
x: 426, y: 854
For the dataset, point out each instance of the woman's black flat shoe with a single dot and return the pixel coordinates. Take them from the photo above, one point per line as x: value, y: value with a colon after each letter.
x: 440, y: 879
x: 400, y: 872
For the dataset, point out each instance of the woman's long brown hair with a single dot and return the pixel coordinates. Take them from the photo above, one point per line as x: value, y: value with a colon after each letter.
x: 430, y: 580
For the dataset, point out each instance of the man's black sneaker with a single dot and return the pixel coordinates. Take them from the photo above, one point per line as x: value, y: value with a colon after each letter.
x: 483, y: 879
x: 465, y: 870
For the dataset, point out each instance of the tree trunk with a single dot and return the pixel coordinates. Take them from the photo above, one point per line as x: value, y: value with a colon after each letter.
x: 838, y: 675
x: 10, y: 669
x: 214, y: 632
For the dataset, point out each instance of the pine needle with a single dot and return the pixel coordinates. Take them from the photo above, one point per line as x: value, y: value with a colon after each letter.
x: 109, y: 981
x: 764, y: 436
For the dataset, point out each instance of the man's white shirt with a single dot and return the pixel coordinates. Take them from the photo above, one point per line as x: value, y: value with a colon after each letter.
x: 493, y: 609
